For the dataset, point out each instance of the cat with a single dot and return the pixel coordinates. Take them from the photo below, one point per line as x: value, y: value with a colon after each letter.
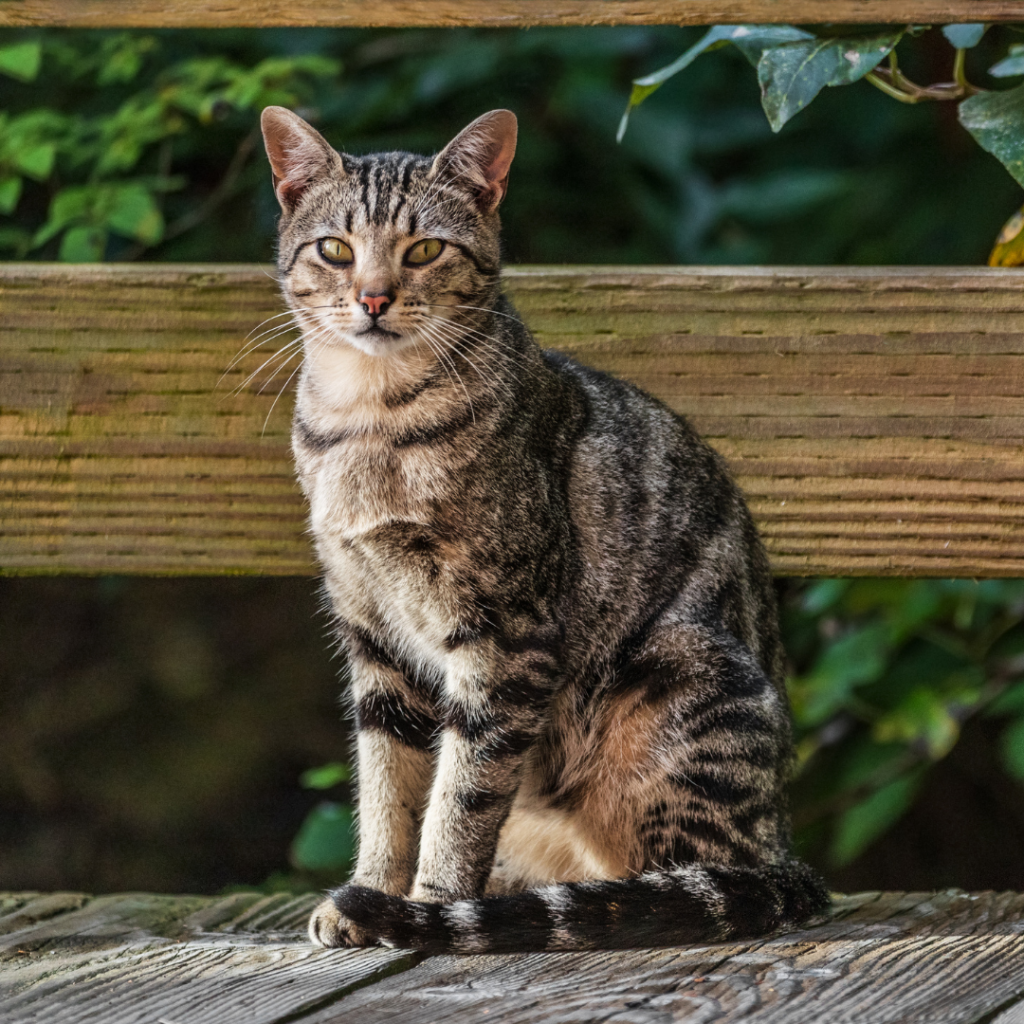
x: 566, y: 670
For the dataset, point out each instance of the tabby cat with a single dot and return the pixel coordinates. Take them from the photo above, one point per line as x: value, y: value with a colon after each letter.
x: 564, y: 652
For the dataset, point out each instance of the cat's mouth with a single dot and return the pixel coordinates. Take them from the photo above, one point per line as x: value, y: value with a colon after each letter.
x: 379, y: 333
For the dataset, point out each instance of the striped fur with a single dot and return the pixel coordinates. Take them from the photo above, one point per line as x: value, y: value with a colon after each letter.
x: 565, y: 663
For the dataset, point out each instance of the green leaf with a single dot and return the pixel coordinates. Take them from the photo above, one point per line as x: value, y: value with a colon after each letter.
x: 326, y: 776
x: 22, y: 60
x: 325, y: 840
x: 859, y: 657
x: 996, y: 120
x: 963, y: 37
x: 1012, y: 747
x: 10, y: 193
x: 863, y: 824
x: 36, y: 161
x: 1011, y: 65
x: 83, y: 245
x: 643, y: 87
x: 793, y: 73
x: 749, y: 39
x: 133, y: 212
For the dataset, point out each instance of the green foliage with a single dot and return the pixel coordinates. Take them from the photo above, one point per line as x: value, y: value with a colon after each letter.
x: 888, y: 671
x: 94, y: 159
x: 699, y: 177
x: 794, y: 65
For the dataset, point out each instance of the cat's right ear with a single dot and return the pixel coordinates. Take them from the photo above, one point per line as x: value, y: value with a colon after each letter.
x: 298, y: 154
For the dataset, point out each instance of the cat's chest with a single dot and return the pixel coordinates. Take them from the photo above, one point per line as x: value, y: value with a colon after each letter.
x: 384, y: 522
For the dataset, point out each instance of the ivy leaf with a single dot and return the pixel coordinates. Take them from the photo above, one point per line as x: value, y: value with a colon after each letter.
x: 863, y: 824
x: 751, y: 41
x: 793, y: 73
x: 10, y: 193
x: 83, y: 245
x: 996, y: 120
x: 22, y: 60
x: 1011, y: 65
x: 325, y: 839
x: 963, y: 37
x: 715, y: 36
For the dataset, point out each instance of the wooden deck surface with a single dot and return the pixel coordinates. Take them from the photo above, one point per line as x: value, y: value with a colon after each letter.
x: 873, y: 416
x: 243, y: 959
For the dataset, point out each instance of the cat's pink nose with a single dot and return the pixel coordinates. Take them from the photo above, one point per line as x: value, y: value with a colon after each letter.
x: 375, y: 305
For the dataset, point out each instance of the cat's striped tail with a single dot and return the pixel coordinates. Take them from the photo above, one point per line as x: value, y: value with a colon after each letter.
x: 677, y: 906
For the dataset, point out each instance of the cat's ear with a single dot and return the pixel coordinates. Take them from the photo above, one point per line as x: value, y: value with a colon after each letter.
x: 480, y: 156
x: 298, y: 154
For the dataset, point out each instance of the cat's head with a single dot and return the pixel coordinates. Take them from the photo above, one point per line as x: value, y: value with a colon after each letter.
x: 388, y: 251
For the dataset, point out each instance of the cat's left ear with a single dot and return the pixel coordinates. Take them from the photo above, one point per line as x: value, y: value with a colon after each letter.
x: 481, y: 155
x: 298, y: 154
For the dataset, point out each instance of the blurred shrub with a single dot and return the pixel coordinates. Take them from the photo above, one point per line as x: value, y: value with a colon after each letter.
x: 887, y: 672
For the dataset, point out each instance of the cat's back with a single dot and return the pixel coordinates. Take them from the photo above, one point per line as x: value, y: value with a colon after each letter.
x: 659, y: 521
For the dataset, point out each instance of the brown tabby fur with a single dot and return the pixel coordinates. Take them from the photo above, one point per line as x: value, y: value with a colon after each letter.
x: 565, y: 661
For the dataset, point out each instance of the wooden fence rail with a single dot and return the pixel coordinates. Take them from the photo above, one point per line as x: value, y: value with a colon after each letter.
x: 490, y: 13
x: 873, y: 416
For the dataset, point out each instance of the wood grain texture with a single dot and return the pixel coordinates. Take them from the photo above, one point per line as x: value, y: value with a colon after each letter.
x: 139, y: 958
x: 887, y: 958
x: 490, y: 13
x: 874, y: 417
x: 948, y: 957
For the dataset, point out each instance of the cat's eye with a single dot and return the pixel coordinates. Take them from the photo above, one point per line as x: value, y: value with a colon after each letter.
x: 424, y: 252
x: 334, y: 250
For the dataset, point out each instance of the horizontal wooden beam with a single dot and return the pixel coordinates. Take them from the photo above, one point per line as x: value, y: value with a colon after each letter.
x: 490, y: 13
x: 873, y: 416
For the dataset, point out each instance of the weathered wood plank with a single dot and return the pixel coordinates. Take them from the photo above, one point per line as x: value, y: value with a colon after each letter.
x: 951, y: 957
x: 489, y: 13
x: 873, y: 416
x: 882, y: 957
x: 179, y: 960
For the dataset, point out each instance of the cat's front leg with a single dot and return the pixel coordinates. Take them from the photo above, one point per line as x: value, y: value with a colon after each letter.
x: 395, y: 724
x: 498, y: 701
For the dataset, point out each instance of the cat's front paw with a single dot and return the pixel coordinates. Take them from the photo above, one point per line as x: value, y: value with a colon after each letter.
x: 329, y: 927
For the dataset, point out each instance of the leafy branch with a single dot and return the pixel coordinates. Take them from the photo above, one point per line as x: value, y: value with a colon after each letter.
x: 794, y: 65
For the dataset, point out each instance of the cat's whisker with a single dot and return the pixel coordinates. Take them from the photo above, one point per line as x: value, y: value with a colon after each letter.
x: 498, y: 344
x: 296, y: 344
x: 445, y: 360
x: 454, y: 339
x: 273, y: 335
x: 270, y: 380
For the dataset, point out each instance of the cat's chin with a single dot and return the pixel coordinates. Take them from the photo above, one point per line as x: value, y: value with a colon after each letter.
x: 379, y: 342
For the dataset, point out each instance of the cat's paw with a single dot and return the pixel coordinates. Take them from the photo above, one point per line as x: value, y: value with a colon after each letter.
x: 329, y: 927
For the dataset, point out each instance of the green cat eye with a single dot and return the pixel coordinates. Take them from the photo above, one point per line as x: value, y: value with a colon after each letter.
x: 424, y: 252
x: 334, y: 250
